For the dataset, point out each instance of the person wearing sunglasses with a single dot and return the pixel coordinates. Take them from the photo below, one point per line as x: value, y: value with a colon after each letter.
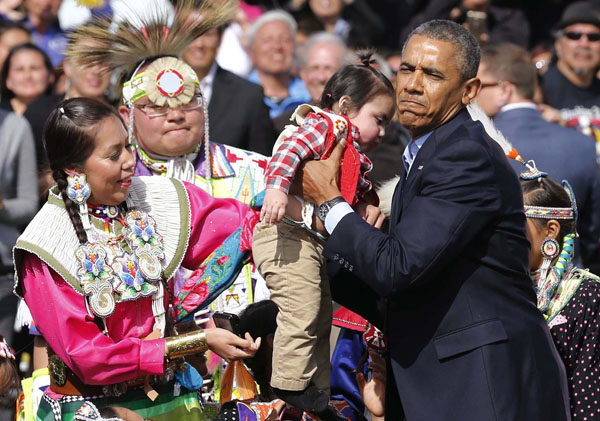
x: 571, y: 85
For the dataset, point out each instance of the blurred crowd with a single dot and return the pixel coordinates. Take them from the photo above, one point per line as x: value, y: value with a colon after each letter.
x: 277, y: 55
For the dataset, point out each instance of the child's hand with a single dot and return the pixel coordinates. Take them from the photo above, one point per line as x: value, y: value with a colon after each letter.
x: 373, y: 391
x: 370, y: 213
x: 273, y: 208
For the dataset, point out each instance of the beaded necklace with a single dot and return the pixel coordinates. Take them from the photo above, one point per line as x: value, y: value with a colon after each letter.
x: 109, y: 214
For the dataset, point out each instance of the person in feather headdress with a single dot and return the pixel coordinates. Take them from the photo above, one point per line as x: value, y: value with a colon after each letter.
x: 167, y: 114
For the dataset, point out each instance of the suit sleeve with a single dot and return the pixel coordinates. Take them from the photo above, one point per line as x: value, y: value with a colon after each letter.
x: 457, y: 198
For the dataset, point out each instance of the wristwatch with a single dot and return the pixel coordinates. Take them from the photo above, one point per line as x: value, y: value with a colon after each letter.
x: 324, y: 207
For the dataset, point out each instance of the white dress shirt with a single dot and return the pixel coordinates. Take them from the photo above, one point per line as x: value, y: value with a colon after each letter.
x: 206, y: 84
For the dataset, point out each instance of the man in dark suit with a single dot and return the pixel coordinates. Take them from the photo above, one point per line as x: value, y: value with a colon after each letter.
x: 508, y: 79
x: 236, y: 109
x: 450, y: 280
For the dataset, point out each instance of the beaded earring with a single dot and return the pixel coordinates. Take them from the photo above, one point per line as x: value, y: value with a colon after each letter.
x: 78, y: 190
x: 550, y: 249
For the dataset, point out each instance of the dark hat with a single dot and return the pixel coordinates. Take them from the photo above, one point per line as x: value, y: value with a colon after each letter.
x: 580, y: 12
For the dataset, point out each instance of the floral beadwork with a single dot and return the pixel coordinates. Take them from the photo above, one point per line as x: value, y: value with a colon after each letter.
x: 146, y: 243
x: 128, y: 276
x: 96, y: 278
x: 217, y: 272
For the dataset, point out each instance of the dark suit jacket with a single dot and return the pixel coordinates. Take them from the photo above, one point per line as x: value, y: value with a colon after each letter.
x: 466, y: 340
x: 564, y: 154
x: 238, y: 115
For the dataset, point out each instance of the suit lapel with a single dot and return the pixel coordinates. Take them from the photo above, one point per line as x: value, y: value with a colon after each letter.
x: 396, y: 199
x: 403, y: 190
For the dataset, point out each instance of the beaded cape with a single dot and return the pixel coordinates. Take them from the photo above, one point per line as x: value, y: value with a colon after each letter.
x: 51, y: 237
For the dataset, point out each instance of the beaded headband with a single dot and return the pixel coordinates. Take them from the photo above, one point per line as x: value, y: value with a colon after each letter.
x: 549, y: 213
x: 167, y: 81
x: 542, y: 212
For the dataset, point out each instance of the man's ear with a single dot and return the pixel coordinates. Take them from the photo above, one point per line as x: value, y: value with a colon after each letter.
x: 470, y: 90
x: 552, y: 228
x: 508, y: 92
x: 124, y: 113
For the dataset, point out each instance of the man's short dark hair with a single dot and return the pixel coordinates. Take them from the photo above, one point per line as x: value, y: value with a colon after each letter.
x: 511, y: 63
x: 467, y: 49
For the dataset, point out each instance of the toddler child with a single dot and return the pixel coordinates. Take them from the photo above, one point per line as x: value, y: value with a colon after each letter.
x: 356, y: 105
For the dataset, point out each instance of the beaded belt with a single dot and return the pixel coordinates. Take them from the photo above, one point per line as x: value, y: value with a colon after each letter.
x: 64, y: 381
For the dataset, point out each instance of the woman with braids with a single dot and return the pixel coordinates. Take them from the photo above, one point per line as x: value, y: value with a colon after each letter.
x: 357, y: 103
x: 568, y: 297
x: 95, y: 268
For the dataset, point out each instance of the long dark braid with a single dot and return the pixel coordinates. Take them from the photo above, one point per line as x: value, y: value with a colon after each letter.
x: 69, y: 136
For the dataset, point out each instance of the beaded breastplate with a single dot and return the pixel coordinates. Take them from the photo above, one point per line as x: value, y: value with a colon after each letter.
x: 123, y: 268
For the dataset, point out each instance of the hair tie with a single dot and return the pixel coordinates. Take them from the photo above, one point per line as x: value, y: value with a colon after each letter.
x: 368, y: 61
x: 328, y: 95
x: 61, y: 110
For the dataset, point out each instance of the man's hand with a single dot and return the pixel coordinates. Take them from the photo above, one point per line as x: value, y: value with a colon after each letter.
x: 370, y: 213
x: 273, y: 208
x: 320, y: 178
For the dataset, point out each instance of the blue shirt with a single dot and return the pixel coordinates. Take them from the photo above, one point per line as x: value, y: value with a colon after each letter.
x: 53, y: 41
x: 411, y: 150
x: 297, y: 95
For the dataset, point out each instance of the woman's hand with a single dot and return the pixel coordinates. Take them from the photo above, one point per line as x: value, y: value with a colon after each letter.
x: 274, y: 205
x: 231, y: 347
x: 373, y: 391
x: 370, y: 213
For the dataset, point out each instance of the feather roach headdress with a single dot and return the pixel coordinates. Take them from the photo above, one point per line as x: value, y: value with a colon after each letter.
x: 123, y: 46
x: 157, y: 43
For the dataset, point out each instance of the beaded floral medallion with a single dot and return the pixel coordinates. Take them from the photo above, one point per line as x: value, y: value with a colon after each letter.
x: 109, y: 274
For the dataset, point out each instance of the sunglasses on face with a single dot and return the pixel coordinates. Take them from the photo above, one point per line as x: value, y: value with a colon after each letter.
x: 575, y: 36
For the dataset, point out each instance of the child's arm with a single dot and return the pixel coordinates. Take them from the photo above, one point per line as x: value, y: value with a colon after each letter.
x: 307, y: 142
x: 273, y: 208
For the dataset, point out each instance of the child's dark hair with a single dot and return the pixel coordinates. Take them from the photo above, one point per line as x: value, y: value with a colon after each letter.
x: 361, y: 82
x: 6, y: 93
x: 548, y: 193
x: 69, y: 136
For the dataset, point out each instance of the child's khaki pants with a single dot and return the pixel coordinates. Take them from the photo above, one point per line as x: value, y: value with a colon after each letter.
x: 290, y: 260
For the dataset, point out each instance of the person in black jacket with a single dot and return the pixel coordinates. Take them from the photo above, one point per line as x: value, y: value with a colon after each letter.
x: 236, y: 109
x: 450, y: 283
